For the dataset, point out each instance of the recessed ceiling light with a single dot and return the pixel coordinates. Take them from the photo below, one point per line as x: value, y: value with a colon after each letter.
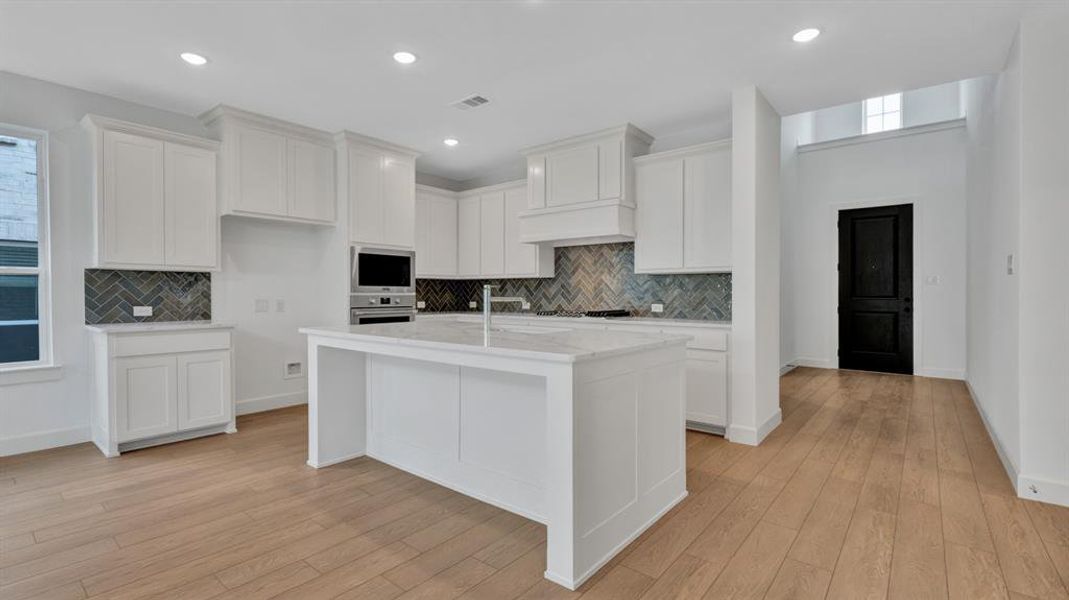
x: 450, y: 142
x: 806, y: 35
x: 194, y: 59
x: 405, y: 58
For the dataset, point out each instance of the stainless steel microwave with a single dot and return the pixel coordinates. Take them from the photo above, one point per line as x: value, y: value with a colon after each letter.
x: 376, y: 270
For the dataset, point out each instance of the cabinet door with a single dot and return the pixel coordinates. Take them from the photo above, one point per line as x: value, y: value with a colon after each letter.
x: 145, y: 396
x: 572, y: 176
x: 311, y: 181
x: 610, y: 169
x: 366, y: 216
x: 204, y: 389
x: 707, y: 387
x: 536, y: 181
x: 443, y: 236
x: 492, y: 234
x: 399, y: 201
x: 132, y: 208
x: 424, y: 260
x: 192, y: 219
x: 260, y: 157
x: 659, y: 215
x: 520, y: 258
x: 468, y: 236
x: 707, y: 210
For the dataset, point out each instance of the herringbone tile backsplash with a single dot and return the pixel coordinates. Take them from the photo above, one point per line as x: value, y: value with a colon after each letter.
x: 111, y: 295
x: 594, y: 277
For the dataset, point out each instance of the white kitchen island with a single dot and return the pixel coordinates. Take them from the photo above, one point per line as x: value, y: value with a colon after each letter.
x: 580, y: 430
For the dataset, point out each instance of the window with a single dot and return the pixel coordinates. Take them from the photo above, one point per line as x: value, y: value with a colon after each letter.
x: 25, y: 337
x: 883, y: 113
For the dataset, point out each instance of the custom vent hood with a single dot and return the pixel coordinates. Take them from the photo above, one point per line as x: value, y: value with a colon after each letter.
x: 581, y: 190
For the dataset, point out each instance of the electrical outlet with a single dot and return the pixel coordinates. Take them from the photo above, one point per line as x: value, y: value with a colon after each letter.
x: 657, y: 307
x: 472, y: 304
x: 525, y: 306
x: 933, y: 280
x: 421, y: 305
x: 142, y: 311
x: 293, y: 370
x: 280, y: 305
x: 262, y: 305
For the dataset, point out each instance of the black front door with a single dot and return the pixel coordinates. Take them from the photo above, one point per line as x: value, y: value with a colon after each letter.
x: 876, y: 289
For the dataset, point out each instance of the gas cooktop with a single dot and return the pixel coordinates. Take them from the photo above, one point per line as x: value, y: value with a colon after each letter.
x: 608, y: 312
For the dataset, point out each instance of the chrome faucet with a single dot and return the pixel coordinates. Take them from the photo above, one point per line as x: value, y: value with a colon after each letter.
x: 488, y: 300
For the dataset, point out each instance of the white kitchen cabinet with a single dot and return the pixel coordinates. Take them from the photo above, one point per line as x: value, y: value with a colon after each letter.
x: 204, y: 384
x: 146, y: 398
x: 273, y: 169
x: 683, y: 218
x: 707, y: 387
x: 469, y: 236
x: 436, y: 233
x: 154, y: 198
x: 311, y: 181
x: 580, y: 190
x: 191, y: 218
x: 522, y: 259
x: 378, y: 182
x: 156, y: 383
x: 492, y: 234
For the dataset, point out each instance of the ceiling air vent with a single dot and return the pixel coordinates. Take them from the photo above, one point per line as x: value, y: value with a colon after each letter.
x: 472, y: 101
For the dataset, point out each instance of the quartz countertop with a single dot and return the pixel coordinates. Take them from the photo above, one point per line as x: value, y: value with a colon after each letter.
x: 556, y: 343
x: 666, y: 322
x: 158, y: 326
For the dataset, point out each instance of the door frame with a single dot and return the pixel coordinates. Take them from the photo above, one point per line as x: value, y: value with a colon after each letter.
x: 832, y: 248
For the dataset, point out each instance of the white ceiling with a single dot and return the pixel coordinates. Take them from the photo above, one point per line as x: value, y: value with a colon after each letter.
x: 550, y: 69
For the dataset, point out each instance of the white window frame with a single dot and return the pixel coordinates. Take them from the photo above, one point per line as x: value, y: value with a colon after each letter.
x: 43, y: 270
x: 883, y: 113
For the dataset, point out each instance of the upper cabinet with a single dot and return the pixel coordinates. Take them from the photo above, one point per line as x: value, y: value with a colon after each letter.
x: 479, y: 238
x: 154, y: 198
x: 683, y: 220
x: 581, y: 190
x: 377, y: 180
x: 436, y: 233
x: 273, y: 169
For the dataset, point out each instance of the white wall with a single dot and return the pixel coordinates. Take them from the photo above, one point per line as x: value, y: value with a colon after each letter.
x: 919, y: 107
x: 926, y: 169
x: 35, y: 415
x: 993, y: 190
x: 1019, y: 324
x: 755, y: 279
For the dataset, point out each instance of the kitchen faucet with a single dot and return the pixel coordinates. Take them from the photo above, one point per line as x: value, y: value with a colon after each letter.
x: 488, y: 300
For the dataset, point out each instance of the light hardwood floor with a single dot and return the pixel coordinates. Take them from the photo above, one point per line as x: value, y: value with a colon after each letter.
x: 874, y: 486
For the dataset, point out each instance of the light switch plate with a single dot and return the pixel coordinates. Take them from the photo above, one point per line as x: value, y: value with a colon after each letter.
x: 421, y: 304
x: 142, y: 311
x: 525, y: 306
x: 262, y: 305
x: 472, y: 304
x: 657, y: 307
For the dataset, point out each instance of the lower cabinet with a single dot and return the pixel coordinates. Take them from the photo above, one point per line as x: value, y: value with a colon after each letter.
x: 707, y: 388
x: 156, y: 387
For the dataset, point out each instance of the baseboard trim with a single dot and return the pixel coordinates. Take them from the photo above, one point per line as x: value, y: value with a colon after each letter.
x: 751, y: 436
x: 816, y: 363
x: 787, y: 368
x: 1043, y: 490
x: 44, y: 440
x: 249, y: 406
x: 1007, y: 464
x: 940, y: 373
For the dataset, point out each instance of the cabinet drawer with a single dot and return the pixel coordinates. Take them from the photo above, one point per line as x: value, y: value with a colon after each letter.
x: 139, y: 344
x: 704, y: 339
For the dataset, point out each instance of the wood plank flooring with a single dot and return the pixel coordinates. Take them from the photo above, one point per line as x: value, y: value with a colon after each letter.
x: 874, y: 486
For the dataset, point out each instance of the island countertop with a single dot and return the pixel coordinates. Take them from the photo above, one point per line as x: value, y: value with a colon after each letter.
x: 550, y: 343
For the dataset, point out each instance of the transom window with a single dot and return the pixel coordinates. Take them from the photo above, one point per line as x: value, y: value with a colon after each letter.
x: 24, y: 299
x: 883, y: 113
